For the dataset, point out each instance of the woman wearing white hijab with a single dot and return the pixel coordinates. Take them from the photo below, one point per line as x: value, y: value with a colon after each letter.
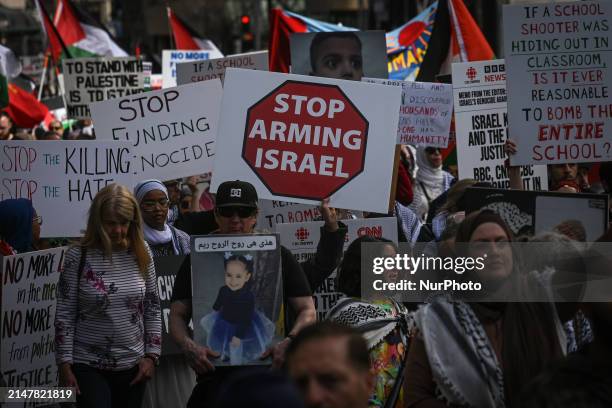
x: 174, y: 380
x: 163, y: 239
x: 430, y: 181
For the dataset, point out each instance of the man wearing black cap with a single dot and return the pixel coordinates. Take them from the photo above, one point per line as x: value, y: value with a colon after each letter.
x: 235, y: 213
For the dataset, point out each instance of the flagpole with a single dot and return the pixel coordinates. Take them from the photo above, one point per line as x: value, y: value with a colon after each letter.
x: 168, y: 12
x: 42, y: 78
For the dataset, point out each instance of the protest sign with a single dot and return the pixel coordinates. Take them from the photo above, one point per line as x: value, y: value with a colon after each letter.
x: 340, y: 54
x: 481, y: 121
x: 425, y: 113
x: 88, y: 80
x: 273, y: 212
x: 302, y: 240
x: 29, y: 291
x: 237, y: 295
x: 62, y: 177
x: 559, y: 66
x: 197, y: 71
x: 533, y: 212
x: 171, y: 57
x: 171, y: 132
x: 166, y: 268
x: 302, y: 138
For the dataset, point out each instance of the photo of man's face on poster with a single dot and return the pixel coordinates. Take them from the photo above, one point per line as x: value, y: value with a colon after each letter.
x: 348, y: 55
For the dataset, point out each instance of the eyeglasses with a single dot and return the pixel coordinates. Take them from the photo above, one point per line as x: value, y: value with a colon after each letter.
x: 37, y: 220
x: 243, y: 212
x: 149, y: 205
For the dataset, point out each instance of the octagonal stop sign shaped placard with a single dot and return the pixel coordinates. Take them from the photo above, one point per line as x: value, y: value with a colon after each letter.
x: 305, y: 140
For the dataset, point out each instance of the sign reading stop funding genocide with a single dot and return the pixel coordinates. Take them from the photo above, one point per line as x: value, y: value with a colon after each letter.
x: 302, y: 138
x: 62, y: 177
x: 197, y: 71
x: 171, y: 132
x: 559, y: 64
x: 481, y: 121
x: 302, y: 240
x: 425, y: 113
x: 170, y: 59
x: 88, y: 80
x: 29, y: 292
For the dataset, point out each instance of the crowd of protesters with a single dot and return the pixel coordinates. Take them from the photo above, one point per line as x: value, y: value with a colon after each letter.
x: 369, y: 351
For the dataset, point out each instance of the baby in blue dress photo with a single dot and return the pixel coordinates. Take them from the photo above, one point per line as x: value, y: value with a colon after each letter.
x: 235, y: 328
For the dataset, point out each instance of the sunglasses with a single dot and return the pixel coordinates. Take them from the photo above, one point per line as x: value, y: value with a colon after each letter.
x: 243, y: 212
x: 185, y: 204
x: 431, y: 150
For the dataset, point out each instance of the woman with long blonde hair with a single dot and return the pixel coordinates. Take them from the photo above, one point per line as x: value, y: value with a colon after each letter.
x: 108, y: 320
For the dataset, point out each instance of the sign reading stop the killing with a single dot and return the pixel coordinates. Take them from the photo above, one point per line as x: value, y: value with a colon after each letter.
x: 302, y: 138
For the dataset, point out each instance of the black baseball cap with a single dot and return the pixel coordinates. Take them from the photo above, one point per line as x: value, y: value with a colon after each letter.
x: 236, y: 194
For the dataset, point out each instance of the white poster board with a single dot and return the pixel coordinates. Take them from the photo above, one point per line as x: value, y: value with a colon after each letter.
x: 171, y: 132
x: 88, y: 80
x: 302, y: 240
x: 302, y: 138
x: 29, y: 293
x: 559, y: 66
x: 62, y: 177
x: 425, y: 113
x: 273, y: 212
x: 481, y: 121
x: 172, y: 57
x: 197, y: 71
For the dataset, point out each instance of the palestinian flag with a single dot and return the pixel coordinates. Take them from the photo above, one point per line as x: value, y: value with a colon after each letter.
x: 185, y: 38
x: 10, y: 67
x: 72, y: 33
x: 282, y: 25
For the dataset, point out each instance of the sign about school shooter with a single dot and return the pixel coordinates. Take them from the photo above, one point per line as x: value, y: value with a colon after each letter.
x: 302, y: 138
x: 62, y: 177
x: 171, y: 132
x: 166, y: 268
x: 88, y: 80
x: 29, y: 293
x: 302, y: 240
x: 197, y: 71
x: 481, y: 122
x: 425, y: 112
x: 170, y: 59
x: 559, y: 65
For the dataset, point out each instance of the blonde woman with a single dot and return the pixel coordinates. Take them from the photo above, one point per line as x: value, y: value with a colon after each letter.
x: 108, y: 320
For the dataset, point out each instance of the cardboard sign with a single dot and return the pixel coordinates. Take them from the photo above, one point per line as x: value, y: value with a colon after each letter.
x: 170, y: 58
x: 171, y: 132
x: 166, y: 268
x: 481, y: 122
x: 237, y: 295
x: 29, y: 290
x: 189, y: 72
x: 302, y: 240
x: 533, y: 212
x: 559, y: 73
x: 273, y: 212
x: 425, y: 113
x: 62, y: 177
x: 301, y: 138
x: 88, y: 80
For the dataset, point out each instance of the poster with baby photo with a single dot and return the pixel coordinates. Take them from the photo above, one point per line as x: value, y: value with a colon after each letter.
x: 340, y: 54
x: 237, y: 296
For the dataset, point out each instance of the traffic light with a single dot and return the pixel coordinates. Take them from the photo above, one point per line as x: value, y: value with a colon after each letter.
x: 247, y: 35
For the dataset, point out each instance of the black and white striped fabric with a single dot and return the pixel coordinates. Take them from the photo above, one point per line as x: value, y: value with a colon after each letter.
x: 113, y: 318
